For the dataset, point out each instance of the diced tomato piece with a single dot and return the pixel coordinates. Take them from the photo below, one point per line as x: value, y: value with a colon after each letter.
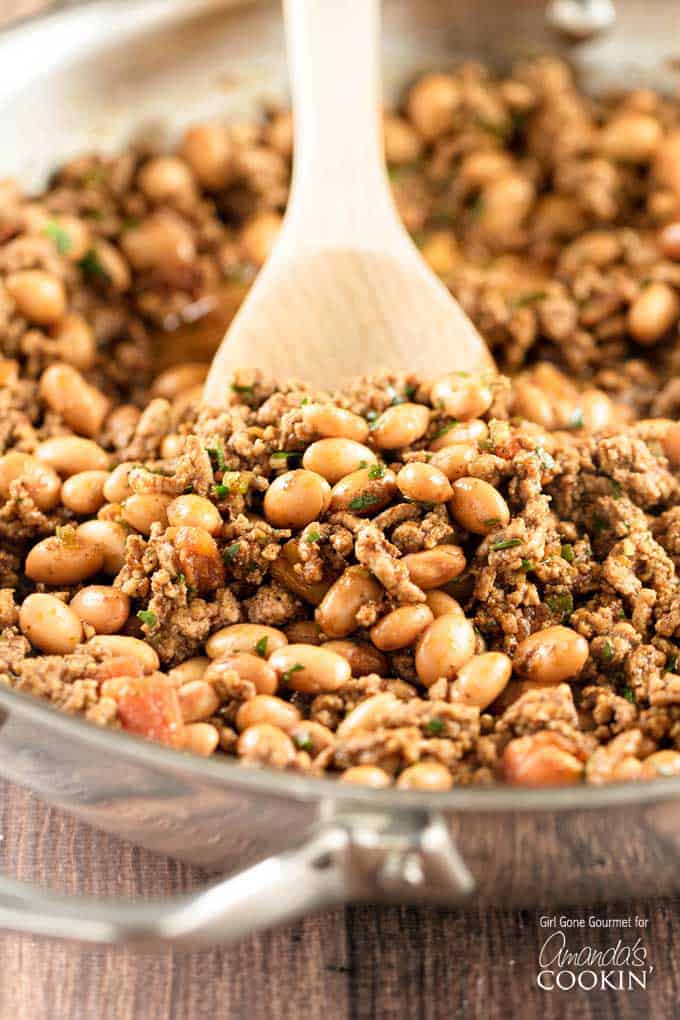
x: 149, y: 706
x: 509, y: 449
x: 199, y: 559
x: 119, y: 665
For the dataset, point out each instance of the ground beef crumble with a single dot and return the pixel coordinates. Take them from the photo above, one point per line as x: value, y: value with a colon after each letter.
x: 564, y: 250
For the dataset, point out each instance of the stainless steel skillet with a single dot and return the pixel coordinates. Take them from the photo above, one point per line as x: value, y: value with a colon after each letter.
x: 97, y: 75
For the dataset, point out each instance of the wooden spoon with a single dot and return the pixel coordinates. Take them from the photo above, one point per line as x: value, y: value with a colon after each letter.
x: 345, y: 291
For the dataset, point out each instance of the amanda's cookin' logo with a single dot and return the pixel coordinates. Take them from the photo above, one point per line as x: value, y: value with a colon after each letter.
x: 621, y: 967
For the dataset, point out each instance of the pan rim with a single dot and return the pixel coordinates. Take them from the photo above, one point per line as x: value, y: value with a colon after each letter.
x: 272, y: 782
x: 266, y: 781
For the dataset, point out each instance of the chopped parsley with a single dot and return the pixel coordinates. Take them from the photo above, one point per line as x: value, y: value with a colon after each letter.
x: 57, y: 234
x: 231, y: 552
x: 628, y: 694
x: 616, y: 489
x: 608, y: 650
x: 671, y: 664
x: 563, y: 605
x: 576, y: 419
x: 422, y: 503
x: 477, y: 208
x: 404, y: 169
x: 95, y: 175
x: 527, y: 565
x: 518, y: 121
x: 376, y: 471
x: 221, y: 491
x: 434, y: 727
x: 567, y: 552
x: 446, y: 428
x: 238, y: 272
x: 491, y: 522
x: 506, y: 543
x: 546, y: 459
x: 363, y: 501
x: 599, y: 523
x: 530, y: 298
x: 293, y: 669
x: 398, y: 398
x: 501, y: 129
x: 236, y: 481
x: 181, y: 579
x: 285, y: 455
x: 261, y: 646
x: 217, y: 453
x: 243, y: 391
x: 92, y: 266
x: 129, y: 223
x: 303, y: 741
x: 148, y: 618
x: 312, y: 536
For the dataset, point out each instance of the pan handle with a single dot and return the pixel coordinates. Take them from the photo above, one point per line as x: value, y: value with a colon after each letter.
x: 391, y: 858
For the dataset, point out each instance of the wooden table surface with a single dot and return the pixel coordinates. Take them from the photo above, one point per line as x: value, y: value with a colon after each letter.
x: 361, y: 963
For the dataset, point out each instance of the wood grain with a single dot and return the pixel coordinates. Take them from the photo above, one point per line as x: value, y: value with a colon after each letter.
x: 362, y: 963
x: 355, y: 964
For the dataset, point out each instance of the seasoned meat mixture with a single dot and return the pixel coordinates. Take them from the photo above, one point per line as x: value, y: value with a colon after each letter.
x: 415, y: 582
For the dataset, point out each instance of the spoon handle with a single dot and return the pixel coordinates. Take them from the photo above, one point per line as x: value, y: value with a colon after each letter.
x: 340, y: 193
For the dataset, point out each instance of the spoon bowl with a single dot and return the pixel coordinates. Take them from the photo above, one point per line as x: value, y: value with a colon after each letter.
x: 329, y: 317
x: 345, y: 291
